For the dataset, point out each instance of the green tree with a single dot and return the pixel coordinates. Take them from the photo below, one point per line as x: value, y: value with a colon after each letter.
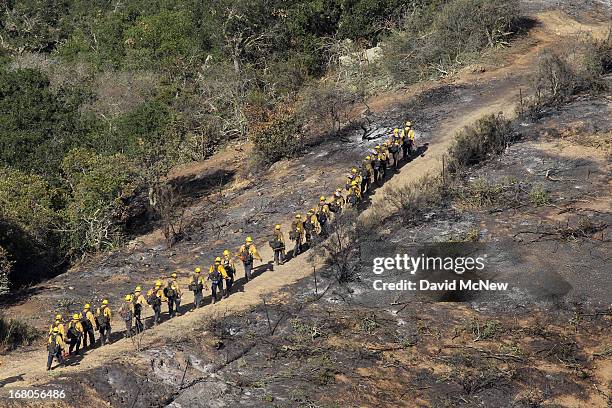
x: 100, y: 187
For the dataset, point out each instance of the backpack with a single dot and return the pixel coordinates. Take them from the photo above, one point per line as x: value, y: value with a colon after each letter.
x: 215, y: 275
x: 73, y: 333
x: 322, y: 218
x: 228, y: 268
x: 308, y: 225
x: 153, y: 299
x: 376, y: 164
x: 87, y: 326
x: 394, y: 148
x: 247, y: 257
x: 102, y: 319
x: 137, y: 308
x: 352, y: 199
x: 169, y: 292
x: 333, y: 207
x: 53, y: 347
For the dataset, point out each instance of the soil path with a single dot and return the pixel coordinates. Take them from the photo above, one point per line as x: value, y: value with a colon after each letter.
x: 497, y: 92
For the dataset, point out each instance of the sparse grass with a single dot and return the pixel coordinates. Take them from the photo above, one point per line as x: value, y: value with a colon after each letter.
x: 414, y: 199
x: 304, y: 331
x: 15, y: 333
x: 471, y: 235
x: 485, y: 330
x: 538, y: 196
x: 368, y: 325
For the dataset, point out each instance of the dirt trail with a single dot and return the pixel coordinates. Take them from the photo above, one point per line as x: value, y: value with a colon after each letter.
x: 502, y: 97
x: 499, y: 93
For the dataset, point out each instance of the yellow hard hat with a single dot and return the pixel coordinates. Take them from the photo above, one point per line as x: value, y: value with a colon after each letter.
x: 298, y: 216
x: 408, y: 123
x: 354, y: 183
x: 75, y: 316
x: 368, y: 158
x: 87, y: 306
x: 354, y: 170
x: 218, y: 259
x: 173, y: 286
x: 277, y: 227
x: 377, y: 147
x: 173, y: 275
x: 58, y: 317
x: 158, y: 283
x: 197, y: 270
x: 396, y: 130
x: 105, y: 302
x: 56, y: 330
x: 249, y: 239
x: 138, y: 289
x: 386, y: 143
x: 226, y: 252
x: 128, y: 297
x: 322, y: 198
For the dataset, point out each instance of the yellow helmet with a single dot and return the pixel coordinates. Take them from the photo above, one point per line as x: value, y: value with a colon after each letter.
x: 105, y: 302
x: 173, y: 275
x: 56, y: 329
x: 128, y: 297
x: 408, y: 123
x: 396, y: 130
x: 386, y: 143
x: 173, y: 286
x: 354, y: 183
x: 158, y: 283
x: 87, y: 306
x: 368, y: 158
x: 197, y: 270
x: 276, y: 227
x: 338, y: 190
x: 218, y: 259
x: 225, y: 252
x: 377, y: 147
x: 75, y: 316
x: 298, y: 216
x: 58, y: 317
x: 249, y: 239
x: 322, y: 198
x: 138, y: 289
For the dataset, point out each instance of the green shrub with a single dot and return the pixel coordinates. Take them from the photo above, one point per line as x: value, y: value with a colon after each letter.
x: 488, y: 136
x: 279, y: 138
x: 99, y: 186
x: 538, y: 196
x: 14, y: 333
x: 442, y: 35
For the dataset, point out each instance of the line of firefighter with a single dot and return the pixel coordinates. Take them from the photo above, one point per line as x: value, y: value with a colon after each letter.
x: 359, y: 182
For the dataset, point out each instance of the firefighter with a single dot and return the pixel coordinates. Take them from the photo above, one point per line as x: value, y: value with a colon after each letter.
x: 139, y: 302
x: 377, y: 165
x: 155, y: 298
x: 247, y: 253
x: 173, y: 294
x: 297, y: 234
x: 230, y: 268
x: 103, y: 319
x: 126, y: 311
x: 60, y: 326
x: 394, y: 150
x: 323, y: 215
x: 408, y: 140
x: 216, y: 274
x: 75, y: 333
x: 55, y: 347
x: 367, y: 173
x: 196, y: 285
x: 88, y: 321
x: 278, y: 245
